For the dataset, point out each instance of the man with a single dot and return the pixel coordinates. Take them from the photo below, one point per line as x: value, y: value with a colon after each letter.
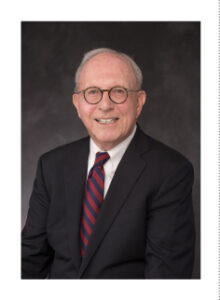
x: 117, y: 204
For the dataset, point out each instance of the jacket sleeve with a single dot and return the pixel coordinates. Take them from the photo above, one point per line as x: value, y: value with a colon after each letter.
x: 36, y: 253
x: 170, y: 227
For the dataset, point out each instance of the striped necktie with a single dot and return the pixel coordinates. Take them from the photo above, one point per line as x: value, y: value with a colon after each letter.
x: 93, y: 199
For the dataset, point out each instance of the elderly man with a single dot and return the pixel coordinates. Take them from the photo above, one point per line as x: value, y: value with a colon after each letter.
x: 117, y: 204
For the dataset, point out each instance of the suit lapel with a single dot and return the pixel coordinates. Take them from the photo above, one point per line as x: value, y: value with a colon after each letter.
x: 75, y: 178
x: 126, y: 176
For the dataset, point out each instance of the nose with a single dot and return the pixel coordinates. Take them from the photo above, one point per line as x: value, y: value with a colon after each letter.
x: 106, y: 103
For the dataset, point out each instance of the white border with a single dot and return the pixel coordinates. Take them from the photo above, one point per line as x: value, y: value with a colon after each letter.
x: 12, y: 13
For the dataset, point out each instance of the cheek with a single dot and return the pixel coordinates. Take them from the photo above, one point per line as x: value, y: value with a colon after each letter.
x: 130, y: 113
x: 85, y: 113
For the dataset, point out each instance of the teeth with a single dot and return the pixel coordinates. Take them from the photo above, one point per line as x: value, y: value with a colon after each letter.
x: 106, y: 121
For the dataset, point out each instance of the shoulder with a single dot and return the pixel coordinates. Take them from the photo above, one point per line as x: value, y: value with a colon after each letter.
x: 64, y: 152
x: 161, y: 157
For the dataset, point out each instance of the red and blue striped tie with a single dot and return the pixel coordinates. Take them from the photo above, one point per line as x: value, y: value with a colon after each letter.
x: 93, y: 199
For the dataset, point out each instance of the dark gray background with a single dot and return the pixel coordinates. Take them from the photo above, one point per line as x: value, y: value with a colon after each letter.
x: 169, y: 56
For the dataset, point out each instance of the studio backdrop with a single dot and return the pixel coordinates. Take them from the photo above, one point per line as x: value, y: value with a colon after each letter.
x: 168, y: 54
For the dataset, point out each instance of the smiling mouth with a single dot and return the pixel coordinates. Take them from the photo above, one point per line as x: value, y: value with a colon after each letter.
x: 106, y: 121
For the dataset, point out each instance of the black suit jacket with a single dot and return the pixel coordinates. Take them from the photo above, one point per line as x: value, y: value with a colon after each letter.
x: 145, y: 228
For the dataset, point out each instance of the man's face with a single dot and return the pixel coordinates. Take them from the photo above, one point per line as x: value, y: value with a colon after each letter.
x: 105, y: 71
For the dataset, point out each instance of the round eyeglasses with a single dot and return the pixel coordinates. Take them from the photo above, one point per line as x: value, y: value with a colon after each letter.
x: 117, y: 94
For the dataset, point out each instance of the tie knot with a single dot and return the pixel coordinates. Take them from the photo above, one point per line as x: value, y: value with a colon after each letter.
x: 101, y: 158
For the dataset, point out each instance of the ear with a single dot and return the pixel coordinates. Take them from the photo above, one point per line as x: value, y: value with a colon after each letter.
x: 76, y: 103
x: 141, y: 99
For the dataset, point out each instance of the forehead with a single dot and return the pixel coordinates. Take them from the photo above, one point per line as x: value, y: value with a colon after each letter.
x: 107, y: 69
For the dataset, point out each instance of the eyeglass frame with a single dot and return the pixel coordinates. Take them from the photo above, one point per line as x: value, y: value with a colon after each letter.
x: 105, y: 90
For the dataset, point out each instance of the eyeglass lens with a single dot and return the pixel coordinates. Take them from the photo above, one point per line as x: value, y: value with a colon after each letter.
x: 117, y: 94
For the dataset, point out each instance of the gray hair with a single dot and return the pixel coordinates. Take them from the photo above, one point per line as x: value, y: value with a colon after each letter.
x: 87, y: 56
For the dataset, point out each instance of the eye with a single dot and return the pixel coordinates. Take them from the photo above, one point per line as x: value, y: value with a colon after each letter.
x: 92, y: 91
x: 119, y: 90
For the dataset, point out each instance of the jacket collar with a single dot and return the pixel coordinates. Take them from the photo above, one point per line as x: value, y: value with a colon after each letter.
x: 75, y: 178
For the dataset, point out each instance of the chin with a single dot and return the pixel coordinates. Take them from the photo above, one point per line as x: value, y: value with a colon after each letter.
x: 106, y: 143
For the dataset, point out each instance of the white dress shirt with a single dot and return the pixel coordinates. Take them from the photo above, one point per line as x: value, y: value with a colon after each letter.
x: 115, y: 154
